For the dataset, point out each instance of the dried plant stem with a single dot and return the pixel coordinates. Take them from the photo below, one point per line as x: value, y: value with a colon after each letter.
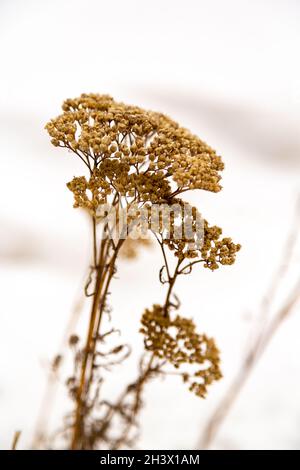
x: 150, y: 365
x: 94, y: 240
x: 138, y: 388
x: 105, y: 269
x: 171, y: 279
x: 87, y: 354
x: 151, y: 368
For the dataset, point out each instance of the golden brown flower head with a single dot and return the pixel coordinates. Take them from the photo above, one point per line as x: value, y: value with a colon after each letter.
x: 185, y: 232
x: 217, y: 251
x: 138, y: 153
x: 177, y: 342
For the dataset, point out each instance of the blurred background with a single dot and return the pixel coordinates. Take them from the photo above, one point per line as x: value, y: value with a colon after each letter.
x: 230, y: 72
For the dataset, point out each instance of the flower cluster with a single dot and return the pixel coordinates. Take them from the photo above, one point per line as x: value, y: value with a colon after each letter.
x: 91, y: 193
x: 215, y: 250
x: 209, y: 249
x: 184, y: 231
x: 137, y: 153
x: 177, y: 342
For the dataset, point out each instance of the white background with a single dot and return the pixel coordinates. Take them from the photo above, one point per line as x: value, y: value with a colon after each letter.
x: 230, y: 72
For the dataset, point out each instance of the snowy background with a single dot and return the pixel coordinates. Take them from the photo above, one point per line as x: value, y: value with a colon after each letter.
x: 230, y: 72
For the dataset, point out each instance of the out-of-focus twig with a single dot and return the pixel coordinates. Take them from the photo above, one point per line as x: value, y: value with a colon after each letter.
x: 286, y: 259
x: 40, y: 429
x: 15, y: 440
x: 262, y: 337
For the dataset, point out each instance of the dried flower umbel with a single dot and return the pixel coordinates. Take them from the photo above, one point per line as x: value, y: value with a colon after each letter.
x: 143, y: 160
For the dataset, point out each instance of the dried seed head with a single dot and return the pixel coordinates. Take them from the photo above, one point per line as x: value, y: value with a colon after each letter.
x: 177, y: 342
x: 132, y: 151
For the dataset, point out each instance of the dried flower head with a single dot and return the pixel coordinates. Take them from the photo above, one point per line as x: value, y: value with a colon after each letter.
x: 140, y: 154
x: 177, y: 342
x: 185, y: 232
x: 217, y: 251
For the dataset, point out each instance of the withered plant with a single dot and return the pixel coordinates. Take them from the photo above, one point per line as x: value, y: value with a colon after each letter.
x: 138, y: 163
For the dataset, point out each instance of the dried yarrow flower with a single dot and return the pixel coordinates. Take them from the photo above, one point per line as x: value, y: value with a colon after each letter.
x: 140, y: 154
x: 139, y: 163
x: 177, y: 342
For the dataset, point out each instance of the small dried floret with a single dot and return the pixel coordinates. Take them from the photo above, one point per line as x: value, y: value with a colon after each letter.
x: 73, y: 340
x: 131, y: 247
x: 91, y: 193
